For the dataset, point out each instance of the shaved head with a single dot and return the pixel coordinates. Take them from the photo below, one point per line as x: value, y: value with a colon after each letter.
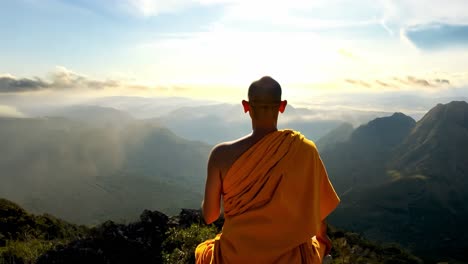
x: 265, y: 89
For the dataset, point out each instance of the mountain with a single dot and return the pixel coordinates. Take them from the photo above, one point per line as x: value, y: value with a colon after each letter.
x: 94, y: 115
x: 155, y: 107
x: 436, y: 147
x: 85, y: 173
x: 147, y: 107
x: 338, y: 135
x: 225, y: 122
x: 208, y: 123
x: 420, y: 199
x: 201, y: 120
x: 361, y: 160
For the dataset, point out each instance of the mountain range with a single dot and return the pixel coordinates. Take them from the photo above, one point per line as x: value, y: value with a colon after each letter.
x: 405, y: 181
x: 399, y: 180
x: 87, y: 173
x: 201, y: 120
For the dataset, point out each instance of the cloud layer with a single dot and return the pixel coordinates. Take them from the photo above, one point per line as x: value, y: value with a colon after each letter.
x: 397, y: 83
x: 61, y: 79
x: 8, y: 111
x: 10, y: 84
x: 438, y: 36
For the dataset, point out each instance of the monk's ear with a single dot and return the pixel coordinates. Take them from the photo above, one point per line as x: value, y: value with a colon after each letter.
x: 246, y: 106
x: 282, y: 106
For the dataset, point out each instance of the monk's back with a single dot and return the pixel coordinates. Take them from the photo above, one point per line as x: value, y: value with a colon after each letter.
x: 270, y: 212
x: 274, y: 189
x: 229, y: 152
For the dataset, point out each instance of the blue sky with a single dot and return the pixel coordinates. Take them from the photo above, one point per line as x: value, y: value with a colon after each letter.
x: 215, y: 48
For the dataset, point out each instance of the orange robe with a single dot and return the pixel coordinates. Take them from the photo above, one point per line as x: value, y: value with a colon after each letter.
x: 275, y: 197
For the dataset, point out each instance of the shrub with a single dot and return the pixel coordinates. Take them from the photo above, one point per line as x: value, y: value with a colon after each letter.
x: 25, y: 251
x: 179, y: 247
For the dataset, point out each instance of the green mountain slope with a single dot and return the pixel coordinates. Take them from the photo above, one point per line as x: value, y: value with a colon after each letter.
x: 422, y: 203
x: 86, y: 173
x: 338, y: 135
x: 361, y: 160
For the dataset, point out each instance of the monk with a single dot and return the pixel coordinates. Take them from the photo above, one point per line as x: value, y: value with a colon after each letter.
x: 274, y: 188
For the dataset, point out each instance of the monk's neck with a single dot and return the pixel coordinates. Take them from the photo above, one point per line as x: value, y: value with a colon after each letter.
x: 259, y: 132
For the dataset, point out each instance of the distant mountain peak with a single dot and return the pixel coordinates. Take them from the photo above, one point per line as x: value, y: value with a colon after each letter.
x: 400, y: 115
x: 438, y: 143
x: 390, y: 129
x: 455, y: 112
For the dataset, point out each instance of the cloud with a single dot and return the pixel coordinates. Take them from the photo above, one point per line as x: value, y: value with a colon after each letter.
x: 396, y: 83
x: 256, y: 14
x: 442, y: 81
x: 384, y: 84
x: 358, y: 82
x: 442, y: 25
x: 411, y: 80
x: 437, y: 36
x: 63, y: 80
x: 8, y: 111
x: 404, y: 13
x: 298, y: 15
x: 60, y: 79
x: 422, y: 82
x: 149, y: 8
x: 10, y: 84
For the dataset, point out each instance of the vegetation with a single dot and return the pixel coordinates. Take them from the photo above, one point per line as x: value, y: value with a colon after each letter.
x: 25, y: 237
x: 352, y: 248
x: 29, y: 251
x: 348, y: 248
x: 179, y: 247
x: 155, y: 238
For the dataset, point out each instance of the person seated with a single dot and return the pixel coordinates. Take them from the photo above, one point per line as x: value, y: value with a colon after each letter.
x: 274, y: 187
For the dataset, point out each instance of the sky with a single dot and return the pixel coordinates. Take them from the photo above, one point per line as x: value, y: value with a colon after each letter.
x: 321, y: 51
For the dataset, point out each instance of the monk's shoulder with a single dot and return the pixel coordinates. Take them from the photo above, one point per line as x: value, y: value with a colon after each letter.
x: 227, y: 152
x: 223, y: 150
x: 218, y: 152
x: 309, y: 146
x: 218, y: 147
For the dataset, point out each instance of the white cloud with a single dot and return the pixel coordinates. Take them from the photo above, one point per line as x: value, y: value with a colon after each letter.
x: 401, y: 14
x: 238, y: 57
x: 155, y: 7
x: 393, y: 15
x: 293, y: 13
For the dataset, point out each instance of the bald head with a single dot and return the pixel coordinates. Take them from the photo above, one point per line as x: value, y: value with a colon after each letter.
x: 264, y: 102
x: 266, y: 89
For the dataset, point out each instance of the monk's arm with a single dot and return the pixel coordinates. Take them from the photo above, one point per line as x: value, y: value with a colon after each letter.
x: 212, y: 202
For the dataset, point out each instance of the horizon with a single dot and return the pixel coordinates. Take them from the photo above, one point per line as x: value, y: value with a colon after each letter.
x: 360, y: 55
x: 111, y: 107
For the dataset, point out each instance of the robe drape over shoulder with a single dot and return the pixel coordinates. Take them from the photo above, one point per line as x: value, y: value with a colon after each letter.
x: 275, y: 197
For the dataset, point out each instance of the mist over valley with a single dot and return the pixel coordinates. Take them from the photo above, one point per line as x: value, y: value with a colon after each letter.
x: 400, y: 179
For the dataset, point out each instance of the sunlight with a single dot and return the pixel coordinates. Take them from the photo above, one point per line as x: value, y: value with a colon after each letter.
x: 238, y: 58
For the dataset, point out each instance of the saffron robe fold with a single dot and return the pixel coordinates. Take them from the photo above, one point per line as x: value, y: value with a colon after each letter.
x: 275, y: 197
